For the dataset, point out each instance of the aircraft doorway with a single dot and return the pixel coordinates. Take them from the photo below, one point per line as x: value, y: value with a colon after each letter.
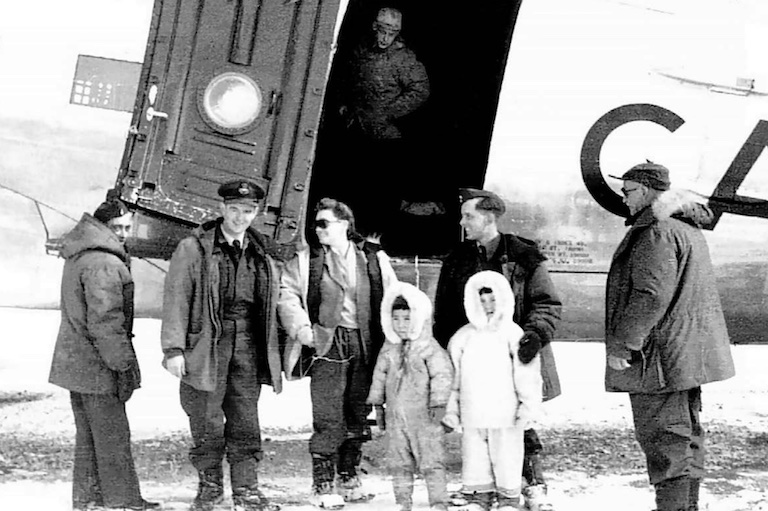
x: 412, y: 200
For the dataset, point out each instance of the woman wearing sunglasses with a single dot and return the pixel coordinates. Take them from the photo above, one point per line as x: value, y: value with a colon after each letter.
x: 330, y: 296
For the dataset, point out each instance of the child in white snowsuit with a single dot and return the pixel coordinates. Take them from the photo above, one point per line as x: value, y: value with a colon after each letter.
x: 494, y: 396
x: 413, y: 376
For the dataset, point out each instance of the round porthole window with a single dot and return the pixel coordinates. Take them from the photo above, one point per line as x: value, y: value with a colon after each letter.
x: 231, y: 102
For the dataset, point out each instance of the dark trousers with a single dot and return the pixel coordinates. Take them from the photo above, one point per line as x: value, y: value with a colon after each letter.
x: 669, y: 431
x: 339, y: 386
x: 104, y: 472
x: 226, y: 420
x: 532, y: 470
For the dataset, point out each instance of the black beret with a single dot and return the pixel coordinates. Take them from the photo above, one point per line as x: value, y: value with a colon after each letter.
x: 649, y: 174
x: 241, y: 190
x: 110, y: 209
x: 495, y: 204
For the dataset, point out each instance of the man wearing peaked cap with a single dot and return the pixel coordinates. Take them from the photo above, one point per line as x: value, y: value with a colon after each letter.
x: 665, y: 334
x: 245, y: 191
x: 223, y: 357
x: 537, y: 308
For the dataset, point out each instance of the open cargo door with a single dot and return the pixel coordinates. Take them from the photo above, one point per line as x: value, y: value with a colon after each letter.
x: 229, y: 89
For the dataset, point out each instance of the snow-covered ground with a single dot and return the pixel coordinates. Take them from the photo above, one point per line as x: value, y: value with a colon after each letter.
x: 29, y: 335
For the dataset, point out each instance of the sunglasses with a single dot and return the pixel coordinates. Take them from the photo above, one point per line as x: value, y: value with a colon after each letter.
x: 323, y: 223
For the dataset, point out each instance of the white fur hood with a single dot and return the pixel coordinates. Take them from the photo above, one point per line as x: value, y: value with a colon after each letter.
x: 421, y: 312
x: 505, y: 300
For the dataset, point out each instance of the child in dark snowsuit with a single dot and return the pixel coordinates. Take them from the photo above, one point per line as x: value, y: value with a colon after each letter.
x: 413, y: 377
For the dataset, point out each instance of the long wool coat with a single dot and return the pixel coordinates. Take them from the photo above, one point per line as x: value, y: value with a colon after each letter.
x: 192, y: 308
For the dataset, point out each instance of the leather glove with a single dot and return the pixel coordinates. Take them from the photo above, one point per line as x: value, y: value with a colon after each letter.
x: 128, y: 381
x: 530, y: 345
x: 437, y: 413
x: 381, y: 418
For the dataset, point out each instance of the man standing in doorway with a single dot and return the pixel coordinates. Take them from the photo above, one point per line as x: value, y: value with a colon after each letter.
x: 94, y: 358
x: 380, y: 84
x: 330, y: 301
x: 665, y: 333
x: 219, y: 337
x: 537, y: 306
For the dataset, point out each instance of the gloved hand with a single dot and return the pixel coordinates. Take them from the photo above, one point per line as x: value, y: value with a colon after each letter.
x: 530, y: 345
x: 128, y: 381
x: 436, y: 413
x: 381, y: 418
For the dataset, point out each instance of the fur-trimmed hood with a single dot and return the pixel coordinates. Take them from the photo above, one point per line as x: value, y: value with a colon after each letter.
x: 683, y: 205
x: 505, y: 300
x: 421, y: 312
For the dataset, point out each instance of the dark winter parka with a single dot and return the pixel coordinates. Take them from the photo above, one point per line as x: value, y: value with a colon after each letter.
x: 94, y: 340
x: 192, y: 308
x: 382, y: 86
x: 663, y: 312
x: 537, y: 305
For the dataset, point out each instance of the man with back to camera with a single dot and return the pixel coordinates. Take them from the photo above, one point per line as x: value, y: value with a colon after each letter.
x: 665, y: 333
x: 537, y: 305
x: 94, y: 358
x: 219, y: 337
x: 381, y: 83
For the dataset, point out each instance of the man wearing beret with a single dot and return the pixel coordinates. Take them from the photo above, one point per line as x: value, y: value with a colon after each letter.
x: 94, y: 358
x: 665, y: 334
x: 537, y: 306
x: 219, y: 337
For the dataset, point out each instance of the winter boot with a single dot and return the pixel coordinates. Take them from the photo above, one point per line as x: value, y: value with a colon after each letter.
x: 349, y: 486
x: 250, y: 498
x: 673, y: 494
x: 479, y: 501
x: 535, y: 497
x: 210, y: 490
x: 323, y: 496
x: 507, y: 503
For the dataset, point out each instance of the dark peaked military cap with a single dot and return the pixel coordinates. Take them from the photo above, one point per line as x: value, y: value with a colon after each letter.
x: 241, y: 190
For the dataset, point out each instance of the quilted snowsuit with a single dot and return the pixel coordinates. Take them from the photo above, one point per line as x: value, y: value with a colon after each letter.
x: 413, y: 376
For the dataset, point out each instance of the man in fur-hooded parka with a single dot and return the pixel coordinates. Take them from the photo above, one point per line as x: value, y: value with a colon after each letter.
x: 665, y: 333
x: 413, y: 377
x: 94, y: 357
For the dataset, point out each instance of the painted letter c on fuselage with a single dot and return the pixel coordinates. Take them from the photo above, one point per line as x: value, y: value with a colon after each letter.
x: 593, y: 144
